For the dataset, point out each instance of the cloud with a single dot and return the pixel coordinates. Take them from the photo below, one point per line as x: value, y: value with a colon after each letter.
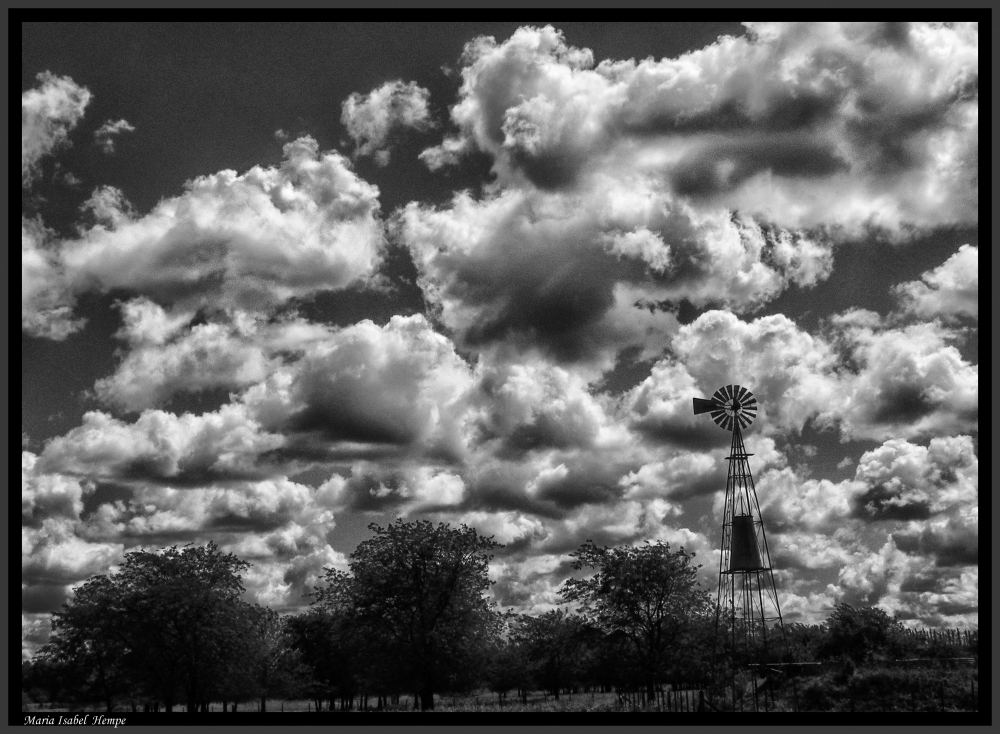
x: 408, y: 489
x: 46, y: 298
x: 933, y: 491
x: 532, y: 407
x: 790, y: 372
x: 52, y: 554
x: 937, y: 477
x: 104, y: 136
x: 248, y: 242
x: 869, y: 381
x: 34, y: 633
x: 792, y: 504
x: 909, y: 382
x: 280, y: 526
x: 371, y: 120
x: 949, y: 291
x: 579, y: 276
x: 49, y: 495
x: 399, y: 386
x: 48, y: 113
x: 805, y: 125
x: 165, y: 360
x: 688, y: 474
x: 162, y: 447
x: 170, y: 352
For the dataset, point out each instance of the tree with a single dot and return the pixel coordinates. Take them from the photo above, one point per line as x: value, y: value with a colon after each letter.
x: 273, y: 667
x: 88, y: 639
x: 183, y: 617
x: 320, y: 638
x: 168, y: 622
x: 507, y: 666
x: 420, y: 589
x: 554, y: 645
x: 859, y: 634
x: 648, y: 594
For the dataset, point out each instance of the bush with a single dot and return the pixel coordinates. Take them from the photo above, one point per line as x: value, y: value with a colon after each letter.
x: 819, y: 694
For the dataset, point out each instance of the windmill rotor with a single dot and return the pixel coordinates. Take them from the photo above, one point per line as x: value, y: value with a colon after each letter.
x: 729, y: 406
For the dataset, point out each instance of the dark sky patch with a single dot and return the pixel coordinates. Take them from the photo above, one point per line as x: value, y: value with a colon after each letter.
x: 723, y: 167
x: 698, y: 438
x: 43, y: 597
x: 104, y: 493
x: 338, y: 422
x: 902, y: 403
x: 881, y: 502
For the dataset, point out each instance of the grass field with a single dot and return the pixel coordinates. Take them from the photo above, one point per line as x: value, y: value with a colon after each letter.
x: 864, y: 690
x: 485, y: 701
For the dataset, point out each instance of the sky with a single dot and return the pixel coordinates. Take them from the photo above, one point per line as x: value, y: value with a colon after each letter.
x: 282, y: 281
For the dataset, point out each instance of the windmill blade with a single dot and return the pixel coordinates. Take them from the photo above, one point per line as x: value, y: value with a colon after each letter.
x: 703, y: 406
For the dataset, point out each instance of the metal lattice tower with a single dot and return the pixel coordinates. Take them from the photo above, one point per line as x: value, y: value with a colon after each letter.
x: 747, y: 609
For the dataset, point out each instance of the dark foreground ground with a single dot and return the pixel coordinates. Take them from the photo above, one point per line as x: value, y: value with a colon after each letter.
x: 864, y: 691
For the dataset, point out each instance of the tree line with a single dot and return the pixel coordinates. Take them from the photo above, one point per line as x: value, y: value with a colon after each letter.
x: 412, y: 616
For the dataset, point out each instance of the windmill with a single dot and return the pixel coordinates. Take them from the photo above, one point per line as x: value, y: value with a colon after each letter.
x: 747, y: 607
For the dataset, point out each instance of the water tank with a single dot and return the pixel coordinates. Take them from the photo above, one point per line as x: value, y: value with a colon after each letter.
x: 744, y: 554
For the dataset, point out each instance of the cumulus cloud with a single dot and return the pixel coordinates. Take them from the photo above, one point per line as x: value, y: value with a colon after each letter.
x: 949, y: 291
x: 52, y: 554
x: 790, y: 372
x: 870, y: 381
x: 281, y: 527
x: 923, y: 500
x: 530, y: 407
x: 371, y: 120
x: 164, y: 360
x: 358, y: 392
x: 49, y: 495
x: 163, y: 447
x: 250, y: 241
x: 399, y: 386
x: 46, y: 297
x: 846, y: 125
x: 909, y: 382
x: 105, y: 135
x: 48, y: 113
x: 35, y: 629
x: 579, y: 276
x: 409, y: 489
x: 932, y: 490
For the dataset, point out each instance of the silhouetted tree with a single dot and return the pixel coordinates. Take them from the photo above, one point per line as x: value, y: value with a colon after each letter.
x: 168, y: 622
x: 320, y: 637
x: 648, y: 594
x: 553, y: 642
x: 507, y: 664
x: 89, y: 640
x: 859, y: 634
x: 422, y: 588
x: 273, y: 665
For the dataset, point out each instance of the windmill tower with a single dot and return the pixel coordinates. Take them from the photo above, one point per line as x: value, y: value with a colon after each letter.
x: 747, y: 609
